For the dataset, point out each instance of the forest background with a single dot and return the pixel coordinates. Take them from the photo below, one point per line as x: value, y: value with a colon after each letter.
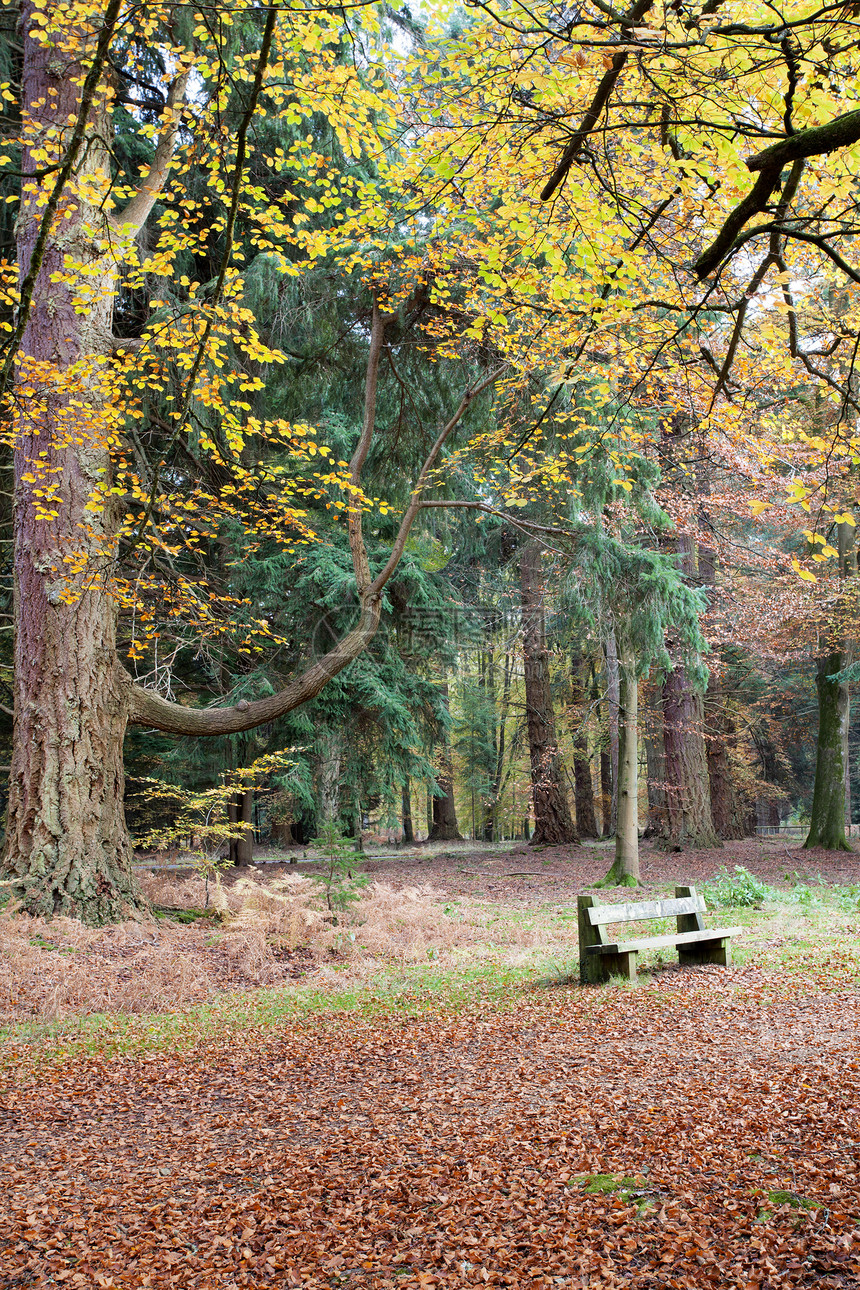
x: 446, y: 413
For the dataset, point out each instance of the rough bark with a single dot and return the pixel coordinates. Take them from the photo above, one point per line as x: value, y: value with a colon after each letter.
x: 329, y: 761
x: 445, y: 827
x: 688, y: 801
x: 729, y: 811
x: 553, y: 823
x: 827, y: 818
x: 625, y: 868
x: 67, y: 845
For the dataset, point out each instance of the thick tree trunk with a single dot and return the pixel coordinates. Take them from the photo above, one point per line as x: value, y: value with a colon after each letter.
x: 553, y: 823
x: 827, y: 818
x: 729, y: 811
x: 67, y: 844
x: 445, y: 828
x: 625, y: 869
x: 406, y: 813
x: 688, y: 799
x: 329, y: 763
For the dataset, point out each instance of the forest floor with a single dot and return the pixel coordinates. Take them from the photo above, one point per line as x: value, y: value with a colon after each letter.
x: 427, y: 1096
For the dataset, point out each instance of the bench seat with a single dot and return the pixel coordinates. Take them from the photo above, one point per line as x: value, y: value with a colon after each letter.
x: 655, y: 942
x: 600, y: 958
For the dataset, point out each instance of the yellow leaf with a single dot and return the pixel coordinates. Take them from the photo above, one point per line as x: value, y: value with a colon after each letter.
x: 803, y: 573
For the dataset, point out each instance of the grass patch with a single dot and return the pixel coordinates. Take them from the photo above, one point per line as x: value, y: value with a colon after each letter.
x: 631, y: 1190
x: 778, y: 1199
x: 415, y: 953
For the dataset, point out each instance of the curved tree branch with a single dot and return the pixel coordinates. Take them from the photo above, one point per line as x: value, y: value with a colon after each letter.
x: 134, y: 215
x: 841, y: 132
x: 149, y: 709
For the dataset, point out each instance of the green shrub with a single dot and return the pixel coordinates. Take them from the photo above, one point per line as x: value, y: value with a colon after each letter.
x: 342, y: 884
x: 739, y: 887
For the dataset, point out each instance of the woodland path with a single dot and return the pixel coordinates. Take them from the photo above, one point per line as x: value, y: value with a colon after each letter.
x: 448, y: 1150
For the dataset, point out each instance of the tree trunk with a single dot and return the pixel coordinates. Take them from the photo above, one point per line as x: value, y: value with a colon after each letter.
x: 241, y: 810
x: 688, y: 798
x: 613, y: 700
x: 406, y: 812
x: 329, y: 762
x: 728, y: 810
x: 67, y: 843
x: 586, y: 821
x: 606, y: 792
x: 625, y: 869
x: 827, y: 818
x: 553, y: 823
x: 444, y: 827
x: 652, y: 732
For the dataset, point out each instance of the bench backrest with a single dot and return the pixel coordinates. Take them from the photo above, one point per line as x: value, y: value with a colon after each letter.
x: 633, y: 913
x: 687, y: 908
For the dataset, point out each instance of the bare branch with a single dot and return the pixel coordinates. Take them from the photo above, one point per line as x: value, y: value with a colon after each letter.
x: 136, y: 212
x: 421, y: 483
x: 595, y: 110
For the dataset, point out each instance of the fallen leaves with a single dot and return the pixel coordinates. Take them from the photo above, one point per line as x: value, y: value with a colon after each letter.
x: 451, y: 1150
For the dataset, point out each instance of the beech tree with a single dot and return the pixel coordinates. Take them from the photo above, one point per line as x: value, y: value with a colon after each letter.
x: 67, y: 848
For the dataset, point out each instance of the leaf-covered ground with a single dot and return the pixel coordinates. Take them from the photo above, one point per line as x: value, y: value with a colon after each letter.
x: 702, y: 1129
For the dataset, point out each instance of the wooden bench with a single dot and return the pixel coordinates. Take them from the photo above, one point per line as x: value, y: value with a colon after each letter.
x: 600, y: 958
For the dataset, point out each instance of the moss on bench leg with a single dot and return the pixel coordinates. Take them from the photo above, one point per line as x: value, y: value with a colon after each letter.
x: 719, y: 952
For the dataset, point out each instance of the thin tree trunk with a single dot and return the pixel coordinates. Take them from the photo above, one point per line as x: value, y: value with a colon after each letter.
x: 613, y: 699
x: 406, y: 812
x: 625, y: 869
x: 827, y: 818
x: 444, y: 827
x: 586, y: 821
x: 553, y: 823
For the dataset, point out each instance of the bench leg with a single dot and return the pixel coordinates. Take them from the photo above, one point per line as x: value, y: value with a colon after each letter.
x: 624, y: 965
x: 706, y: 952
x: 603, y: 967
